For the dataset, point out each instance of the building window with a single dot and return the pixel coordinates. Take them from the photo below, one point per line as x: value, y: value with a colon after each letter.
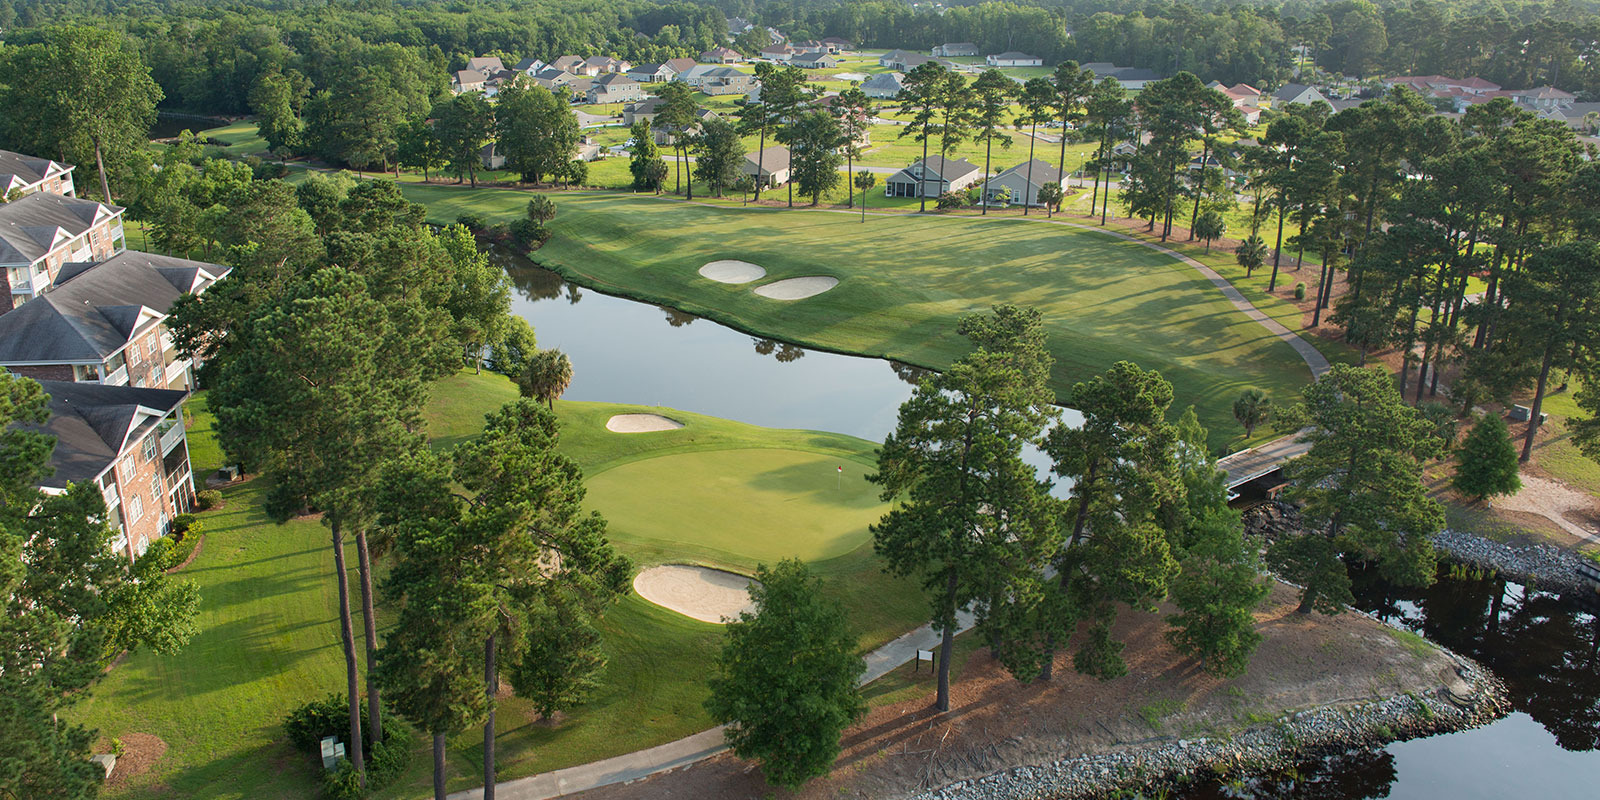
x: 127, y: 468
x: 147, y: 450
x: 135, y: 508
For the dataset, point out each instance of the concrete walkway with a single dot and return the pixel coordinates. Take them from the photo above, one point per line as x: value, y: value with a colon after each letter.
x: 644, y: 763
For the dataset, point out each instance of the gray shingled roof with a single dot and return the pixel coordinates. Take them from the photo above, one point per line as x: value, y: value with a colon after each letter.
x: 93, y: 309
x: 947, y: 170
x: 28, y: 226
x: 91, y: 421
x: 22, y: 170
x: 1043, y: 172
x: 773, y: 159
x: 885, y: 80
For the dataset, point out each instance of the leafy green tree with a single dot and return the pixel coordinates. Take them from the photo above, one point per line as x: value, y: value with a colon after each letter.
x: 1050, y: 196
x: 541, y: 209
x: 464, y: 125
x: 276, y: 100
x: 814, y: 142
x: 1218, y: 586
x: 1548, y: 316
x: 1360, y: 487
x: 972, y: 520
x: 763, y: 117
x: 1252, y: 409
x: 1210, y: 226
x: 676, y: 116
x: 864, y: 180
x: 69, y: 605
x: 1072, y: 87
x: 1109, y: 112
x: 854, y: 111
x: 784, y: 96
x: 537, y: 132
x: 719, y: 153
x: 419, y: 148
x: 1486, y: 464
x: 646, y: 166
x: 786, y: 680
x: 993, y: 91
x: 511, y: 354
x: 480, y: 296
x: 547, y: 377
x: 82, y: 93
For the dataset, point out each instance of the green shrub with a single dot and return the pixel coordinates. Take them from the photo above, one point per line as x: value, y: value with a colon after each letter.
x: 207, y: 499
x: 473, y: 221
x: 117, y: 747
x: 950, y: 200
x: 530, y: 232
x: 183, y: 525
x: 307, y: 725
x: 1299, y: 291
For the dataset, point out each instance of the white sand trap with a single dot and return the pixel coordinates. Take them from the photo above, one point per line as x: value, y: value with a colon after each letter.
x: 641, y: 423
x: 797, y: 288
x: 708, y: 595
x: 728, y: 271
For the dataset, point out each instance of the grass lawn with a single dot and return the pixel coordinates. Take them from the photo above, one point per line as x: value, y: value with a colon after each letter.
x: 268, y: 630
x: 906, y: 280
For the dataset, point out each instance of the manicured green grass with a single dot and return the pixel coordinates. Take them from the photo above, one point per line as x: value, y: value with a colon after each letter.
x: 906, y: 280
x: 269, y: 640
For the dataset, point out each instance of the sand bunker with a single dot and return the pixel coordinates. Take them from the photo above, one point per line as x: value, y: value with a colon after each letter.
x: 797, y: 288
x: 732, y: 271
x: 641, y: 423
x: 708, y: 595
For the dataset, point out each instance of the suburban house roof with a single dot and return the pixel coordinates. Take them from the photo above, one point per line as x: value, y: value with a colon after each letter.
x: 34, y: 225
x: 529, y: 64
x: 602, y: 62
x: 680, y: 64
x: 567, y: 62
x: 1420, y: 82
x: 962, y: 45
x: 1545, y: 93
x: 718, y: 54
x: 945, y: 169
x: 836, y: 41
x: 468, y: 77
x: 1291, y: 92
x: 1043, y: 172
x: 611, y: 79
x: 95, y: 309
x: 18, y: 170
x: 885, y: 80
x: 773, y: 159
x: 488, y: 65
x: 1013, y: 55
x: 94, y: 423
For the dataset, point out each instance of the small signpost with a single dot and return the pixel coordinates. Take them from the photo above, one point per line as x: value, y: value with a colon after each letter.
x: 928, y: 656
x: 332, y: 751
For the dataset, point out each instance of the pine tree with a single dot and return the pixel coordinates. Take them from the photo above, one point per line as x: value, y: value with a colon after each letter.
x: 1218, y: 587
x: 1486, y: 464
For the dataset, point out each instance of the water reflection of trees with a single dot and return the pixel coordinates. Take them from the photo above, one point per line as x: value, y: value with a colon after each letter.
x: 782, y: 351
x: 910, y: 373
x: 1545, y: 648
x: 676, y: 318
x: 531, y: 281
x: 1352, y: 775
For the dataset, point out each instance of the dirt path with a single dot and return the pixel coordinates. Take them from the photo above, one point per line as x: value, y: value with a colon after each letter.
x: 1556, y: 502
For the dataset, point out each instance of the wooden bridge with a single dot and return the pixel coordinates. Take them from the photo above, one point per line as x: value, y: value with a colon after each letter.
x: 1261, y: 467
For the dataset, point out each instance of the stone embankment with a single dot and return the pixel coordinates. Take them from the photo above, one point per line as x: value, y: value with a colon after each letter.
x: 1542, y: 565
x: 1470, y: 697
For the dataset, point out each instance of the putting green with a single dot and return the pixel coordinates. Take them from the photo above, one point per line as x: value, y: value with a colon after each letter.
x: 741, y: 507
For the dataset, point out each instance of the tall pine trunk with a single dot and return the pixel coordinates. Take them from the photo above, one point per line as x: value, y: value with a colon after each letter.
x: 438, y: 766
x: 1032, y: 139
x: 947, y: 647
x: 370, y: 623
x: 761, y: 156
x: 348, y: 637
x: 1277, y: 251
x: 922, y: 178
x: 491, y: 687
x: 988, y: 146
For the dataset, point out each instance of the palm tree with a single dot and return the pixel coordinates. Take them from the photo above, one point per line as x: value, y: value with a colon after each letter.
x: 1251, y: 254
x: 1251, y: 409
x: 547, y: 377
x: 864, y: 181
x: 1208, y: 226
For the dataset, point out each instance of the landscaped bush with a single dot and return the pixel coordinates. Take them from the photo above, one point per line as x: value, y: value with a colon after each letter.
x: 950, y: 201
x: 183, y: 525
x: 530, y: 233
x: 307, y: 725
x: 474, y: 222
x: 207, y: 499
x: 1299, y: 291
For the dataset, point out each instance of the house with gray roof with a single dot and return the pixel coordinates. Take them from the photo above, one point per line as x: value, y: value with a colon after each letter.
x: 814, y: 59
x: 105, y: 322
x: 1013, y: 58
x: 1131, y: 78
x: 468, y: 80
x: 1022, y: 182
x: 41, y: 233
x: 956, y: 50
x: 23, y: 174
x: 129, y: 443
x: 884, y: 85
x: 1296, y: 93
x: 771, y: 165
x: 932, y: 177
x: 615, y: 88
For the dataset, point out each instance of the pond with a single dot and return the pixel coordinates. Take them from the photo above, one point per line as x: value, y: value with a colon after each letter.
x: 1545, y: 647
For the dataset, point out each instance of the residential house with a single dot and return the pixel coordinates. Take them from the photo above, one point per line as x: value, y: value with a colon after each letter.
x: 105, y: 322
x: 1024, y: 181
x: 1012, y: 58
x: 128, y: 441
x: 529, y: 65
x: 1543, y: 98
x: 1251, y: 114
x: 777, y: 52
x: 468, y: 80
x: 20, y: 174
x: 641, y: 111
x: 738, y: 25
x: 814, y: 59
x: 884, y: 85
x: 572, y: 64
x: 1581, y: 117
x: 41, y: 233
x: 721, y: 55
x: 1427, y: 85
x: 1296, y: 93
x: 892, y: 59
x: 604, y: 65
x: 488, y: 65
x: 652, y: 73
x: 500, y: 79
x: 491, y: 157
x: 615, y: 88
x: 956, y: 50
x: 678, y: 65
x: 932, y: 177
x: 769, y: 167
x: 725, y: 80
x: 554, y: 79
x: 836, y: 45
x: 809, y: 44
x: 1132, y: 78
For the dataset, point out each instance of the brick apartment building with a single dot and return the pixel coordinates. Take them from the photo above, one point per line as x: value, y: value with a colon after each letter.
x: 41, y: 232
x: 24, y: 174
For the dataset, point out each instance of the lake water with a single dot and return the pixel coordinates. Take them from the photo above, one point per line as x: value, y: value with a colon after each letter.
x: 1545, y: 647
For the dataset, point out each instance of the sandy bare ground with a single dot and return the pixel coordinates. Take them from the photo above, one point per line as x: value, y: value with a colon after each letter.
x: 641, y: 423
x: 1554, y: 501
x: 996, y: 722
x: 797, y: 288
x: 730, y: 271
x: 140, y: 752
x: 708, y: 595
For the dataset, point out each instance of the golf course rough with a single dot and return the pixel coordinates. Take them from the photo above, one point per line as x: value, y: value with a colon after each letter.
x: 797, y: 288
x: 732, y: 271
x: 705, y: 594
x: 641, y: 423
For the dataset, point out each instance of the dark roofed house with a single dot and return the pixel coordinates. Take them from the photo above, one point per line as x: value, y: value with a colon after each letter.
x: 651, y: 73
x: 128, y: 442
x: 721, y: 55
x: 1296, y: 93
x: 837, y: 45
x: 529, y: 65
x: 615, y: 88
x: 884, y: 85
x: 1543, y: 98
x: 772, y: 164
x: 468, y: 80
x: 956, y: 50
x: 814, y: 59
x: 21, y: 174
x: 105, y: 322
x: 42, y: 232
x: 1024, y: 181
x: 932, y: 177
